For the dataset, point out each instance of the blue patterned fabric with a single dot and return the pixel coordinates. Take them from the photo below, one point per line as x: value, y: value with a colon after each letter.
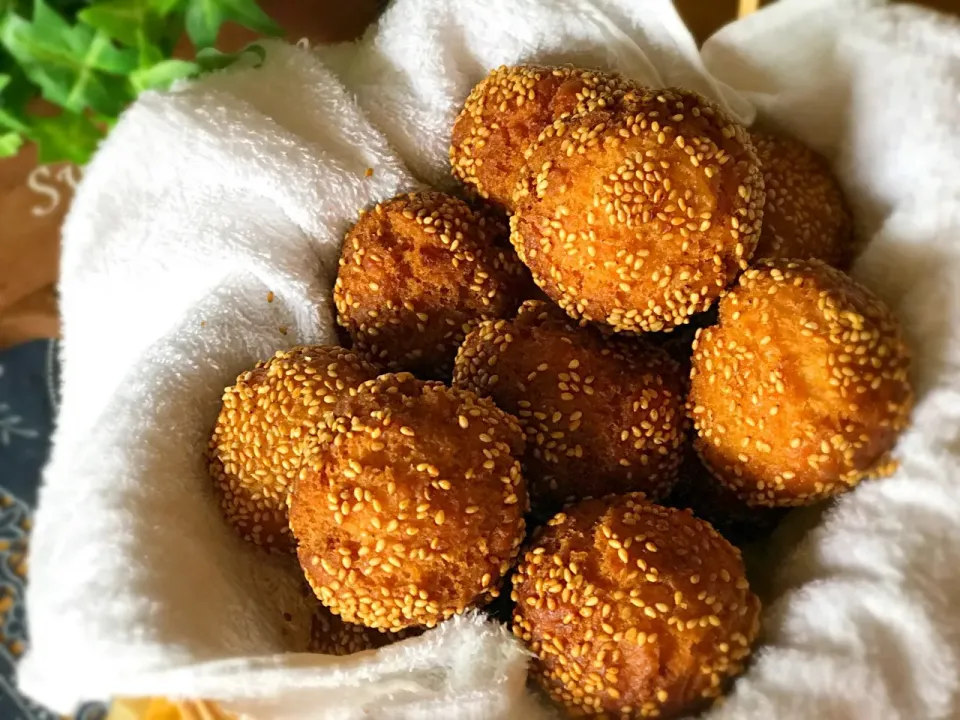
x: 28, y: 402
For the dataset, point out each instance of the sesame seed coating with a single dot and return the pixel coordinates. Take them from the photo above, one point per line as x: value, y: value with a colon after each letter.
x: 407, y: 515
x: 639, y: 216
x: 802, y: 389
x: 329, y: 635
x: 805, y: 214
x: 417, y: 273
x: 713, y: 502
x: 267, y: 421
x: 599, y: 415
x: 633, y: 610
x: 505, y: 113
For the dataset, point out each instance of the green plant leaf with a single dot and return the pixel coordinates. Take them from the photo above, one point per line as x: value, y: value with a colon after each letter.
x: 10, y: 144
x: 143, y: 24
x: 91, y: 58
x: 52, y: 38
x: 12, y: 101
x: 165, y: 7
x: 211, y: 59
x: 12, y: 122
x: 12, y: 6
x: 67, y: 8
x: 75, y: 67
x: 137, y: 24
x: 122, y: 20
x: 67, y: 136
x: 148, y: 52
x: 204, y: 18
x: 162, y: 75
x: 16, y: 91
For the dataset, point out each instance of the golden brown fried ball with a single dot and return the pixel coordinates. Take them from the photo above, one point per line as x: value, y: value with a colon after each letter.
x: 330, y: 635
x: 600, y: 415
x: 801, y: 391
x: 267, y: 421
x: 633, y: 610
x: 805, y: 215
x: 417, y: 273
x: 412, y: 510
x: 505, y: 113
x: 713, y: 502
x: 641, y: 216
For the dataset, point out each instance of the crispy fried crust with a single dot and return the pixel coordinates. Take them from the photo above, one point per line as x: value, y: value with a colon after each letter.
x: 267, y: 420
x: 600, y: 415
x: 640, y: 216
x: 805, y: 215
x: 505, y: 113
x: 413, y: 510
x: 417, y: 273
x: 801, y: 391
x: 633, y: 610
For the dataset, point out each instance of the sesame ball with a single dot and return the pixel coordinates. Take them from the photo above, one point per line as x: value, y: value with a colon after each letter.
x: 801, y: 390
x: 412, y: 511
x: 268, y: 419
x: 417, y: 273
x: 713, y: 502
x: 600, y: 415
x: 640, y: 216
x: 329, y: 635
x: 505, y: 113
x: 805, y: 214
x: 633, y: 610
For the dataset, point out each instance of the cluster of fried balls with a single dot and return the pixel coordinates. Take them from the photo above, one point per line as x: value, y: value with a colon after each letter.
x: 631, y: 334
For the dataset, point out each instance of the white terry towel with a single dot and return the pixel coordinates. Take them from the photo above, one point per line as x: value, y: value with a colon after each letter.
x: 205, y: 199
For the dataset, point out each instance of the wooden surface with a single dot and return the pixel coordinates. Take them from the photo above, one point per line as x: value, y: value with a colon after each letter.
x: 32, y: 204
x: 33, y: 200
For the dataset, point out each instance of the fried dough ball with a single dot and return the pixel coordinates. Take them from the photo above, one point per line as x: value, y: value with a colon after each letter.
x: 600, y: 416
x: 633, y: 609
x: 267, y: 419
x: 805, y: 215
x: 413, y: 510
x: 641, y: 216
x: 801, y: 391
x: 713, y: 502
x: 329, y: 635
x: 505, y: 113
x: 417, y: 273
